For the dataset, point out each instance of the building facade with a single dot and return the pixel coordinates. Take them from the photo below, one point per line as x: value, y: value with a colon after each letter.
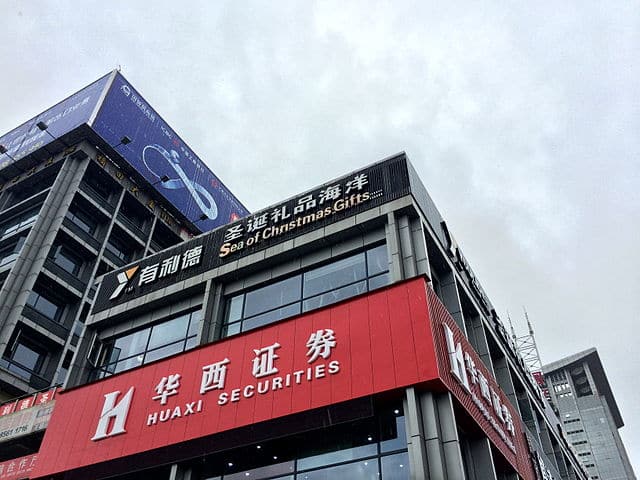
x: 76, y: 203
x: 338, y: 334
x: 579, y: 388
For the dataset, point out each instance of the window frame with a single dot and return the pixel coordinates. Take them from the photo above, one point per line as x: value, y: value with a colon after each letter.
x: 362, y: 284
x: 55, y: 301
x: 109, y: 362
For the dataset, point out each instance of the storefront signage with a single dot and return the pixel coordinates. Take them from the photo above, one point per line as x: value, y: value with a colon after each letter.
x: 306, y: 209
x: 27, y: 402
x: 149, y: 274
x: 472, y: 384
x: 476, y: 384
x: 26, y: 421
x: 315, y: 209
x: 373, y: 343
x: 18, y: 468
x: 267, y: 378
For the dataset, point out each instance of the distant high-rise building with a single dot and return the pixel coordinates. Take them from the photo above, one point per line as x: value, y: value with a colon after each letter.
x: 579, y: 388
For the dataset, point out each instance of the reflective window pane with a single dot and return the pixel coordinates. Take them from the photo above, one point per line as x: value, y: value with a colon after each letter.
x: 67, y: 260
x: 44, y: 305
x: 337, y: 456
x: 377, y: 260
x: 164, y: 352
x: 194, y: 323
x: 232, y: 329
x: 270, y: 317
x: 191, y: 343
x: 26, y: 357
x: 132, y: 344
x: 334, y: 296
x: 395, y: 467
x: 334, y: 275
x: 361, y: 470
x: 169, y: 332
x: 234, y: 308
x: 268, y: 471
x: 394, y: 434
x: 272, y: 296
x: 128, y: 363
x: 379, y: 281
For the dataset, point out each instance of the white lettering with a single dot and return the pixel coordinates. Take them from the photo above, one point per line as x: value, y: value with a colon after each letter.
x: 111, y: 410
x: 456, y: 358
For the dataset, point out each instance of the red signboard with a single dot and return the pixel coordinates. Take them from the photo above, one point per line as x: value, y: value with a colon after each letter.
x: 18, y: 468
x: 27, y: 402
x: 7, y: 408
x: 467, y: 378
x: 371, y: 344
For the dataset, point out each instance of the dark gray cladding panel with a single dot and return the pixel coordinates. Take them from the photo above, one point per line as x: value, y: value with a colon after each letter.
x: 315, y: 209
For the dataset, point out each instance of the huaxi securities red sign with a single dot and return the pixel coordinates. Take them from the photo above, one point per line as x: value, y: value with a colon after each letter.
x: 392, y: 338
x: 370, y: 344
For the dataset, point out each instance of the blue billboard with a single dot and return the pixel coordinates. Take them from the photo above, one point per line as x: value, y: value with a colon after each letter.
x: 163, y: 158
x: 61, y: 118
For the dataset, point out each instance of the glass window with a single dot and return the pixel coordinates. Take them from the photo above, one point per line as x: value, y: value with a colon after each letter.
x: 131, y: 344
x: 315, y: 288
x: 337, y: 456
x: 272, y: 296
x: 82, y: 220
x: 395, y: 467
x: 361, y: 470
x: 163, y: 352
x: 379, y: 281
x: 393, y: 433
x: 118, y: 248
x: 67, y: 260
x: 334, y: 275
x: 377, y: 260
x: 169, y: 332
x: 48, y: 307
x: 234, y: 308
x: 24, y: 219
x: 267, y: 471
x: 334, y: 296
x: 270, y: 317
x: 27, y: 357
x: 10, y: 252
x: 350, y: 450
x: 166, y: 338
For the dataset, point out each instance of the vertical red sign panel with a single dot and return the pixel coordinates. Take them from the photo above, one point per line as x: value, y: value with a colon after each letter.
x: 470, y: 382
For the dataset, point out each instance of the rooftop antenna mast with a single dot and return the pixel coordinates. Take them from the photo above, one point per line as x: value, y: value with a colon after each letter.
x: 527, y: 347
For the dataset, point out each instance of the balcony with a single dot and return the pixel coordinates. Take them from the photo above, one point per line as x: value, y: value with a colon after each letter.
x: 34, y: 380
x: 137, y: 230
x: 80, y: 233
x: 97, y: 197
x: 45, y: 322
x: 60, y: 272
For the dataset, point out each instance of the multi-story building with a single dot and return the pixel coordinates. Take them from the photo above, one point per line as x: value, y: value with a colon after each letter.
x: 579, y: 388
x: 338, y: 334
x: 93, y: 183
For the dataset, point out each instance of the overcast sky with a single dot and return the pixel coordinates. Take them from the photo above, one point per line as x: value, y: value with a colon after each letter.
x: 522, y: 119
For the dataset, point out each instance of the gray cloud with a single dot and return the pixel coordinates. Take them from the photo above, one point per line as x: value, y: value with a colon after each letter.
x: 522, y: 120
